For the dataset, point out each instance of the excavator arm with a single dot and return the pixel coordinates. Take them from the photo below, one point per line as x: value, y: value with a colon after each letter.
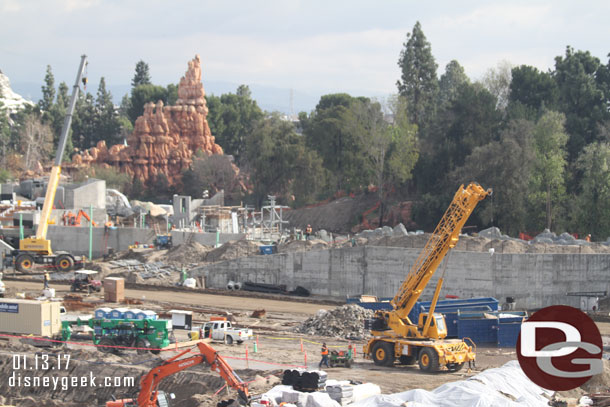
x: 83, y: 214
x: 208, y: 355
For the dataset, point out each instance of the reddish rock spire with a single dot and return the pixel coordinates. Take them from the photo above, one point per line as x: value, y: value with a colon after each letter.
x: 164, y: 138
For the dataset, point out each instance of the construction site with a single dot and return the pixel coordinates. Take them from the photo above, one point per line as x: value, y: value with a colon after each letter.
x: 110, y: 302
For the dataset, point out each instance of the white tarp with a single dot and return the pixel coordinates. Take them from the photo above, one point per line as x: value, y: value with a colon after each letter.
x: 506, y: 386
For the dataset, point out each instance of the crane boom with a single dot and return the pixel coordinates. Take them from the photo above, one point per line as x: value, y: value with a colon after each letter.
x: 36, y: 249
x: 394, y: 335
x: 444, y: 238
x: 41, y: 232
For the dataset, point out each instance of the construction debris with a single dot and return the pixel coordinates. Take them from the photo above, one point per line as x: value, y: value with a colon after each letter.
x: 146, y: 270
x: 305, y: 381
x: 259, y: 313
x: 346, y: 322
x: 189, y: 252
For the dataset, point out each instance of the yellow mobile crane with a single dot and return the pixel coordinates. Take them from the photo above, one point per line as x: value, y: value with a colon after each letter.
x: 394, y: 335
x: 37, y: 249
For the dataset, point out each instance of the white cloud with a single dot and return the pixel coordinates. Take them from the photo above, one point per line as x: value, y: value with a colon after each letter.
x: 514, y: 16
x: 73, y: 5
x: 10, y: 6
x: 326, y: 60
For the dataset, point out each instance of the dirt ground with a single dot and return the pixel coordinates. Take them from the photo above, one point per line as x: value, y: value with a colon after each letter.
x: 278, y: 348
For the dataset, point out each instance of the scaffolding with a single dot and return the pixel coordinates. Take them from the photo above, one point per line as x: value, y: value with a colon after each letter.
x: 223, y: 219
x: 268, y: 224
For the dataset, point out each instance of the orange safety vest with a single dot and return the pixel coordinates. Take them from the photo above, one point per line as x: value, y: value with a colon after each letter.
x: 324, y: 351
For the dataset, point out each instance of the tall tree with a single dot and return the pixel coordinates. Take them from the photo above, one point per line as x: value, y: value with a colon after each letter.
x: 36, y: 141
x: 142, y: 75
x: 5, y: 132
x: 532, y: 91
x: 547, y: 181
x: 48, y: 91
x: 472, y: 120
x: 278, y: 159
x: 142, y: 94
x: 450, y: 82
x: 84, y: 122
x: 592, y: 207
x: 107, y: 118
x: 404, y: 152
x: 212, y: 173
x: 581, y: 96
x: 232, y: 117
x: 505, y: 166
x: 329, y: 131
x: 419, y: 83
x: 366, y: 121
x: 497, y: 81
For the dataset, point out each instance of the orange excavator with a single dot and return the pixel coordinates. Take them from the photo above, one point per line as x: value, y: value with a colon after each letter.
x: 70, y: 219
x: 149, y: 396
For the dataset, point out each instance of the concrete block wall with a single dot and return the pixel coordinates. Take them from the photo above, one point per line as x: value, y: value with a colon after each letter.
x: 534, y: 280
x: 206, y: 239
x: 92, y: 192
x: 76, y: 239
x: 99, y: 216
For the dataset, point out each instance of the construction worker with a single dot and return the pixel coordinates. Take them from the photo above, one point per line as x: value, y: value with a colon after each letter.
x: 46, y: 281
x: 308, y: 232
x: 324, y: 354
x: 588, y: 238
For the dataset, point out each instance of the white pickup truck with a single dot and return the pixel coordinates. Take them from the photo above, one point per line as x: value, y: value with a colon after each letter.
x: 225, y: 332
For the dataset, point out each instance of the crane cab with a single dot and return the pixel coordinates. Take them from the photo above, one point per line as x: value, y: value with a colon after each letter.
x: 437, y: 328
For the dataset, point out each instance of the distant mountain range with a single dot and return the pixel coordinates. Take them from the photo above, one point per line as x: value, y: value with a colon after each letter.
x: 269, y: 98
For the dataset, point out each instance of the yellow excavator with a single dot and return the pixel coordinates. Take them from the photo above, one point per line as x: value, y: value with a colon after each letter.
x: 37, y: 249
x: 394, y: 336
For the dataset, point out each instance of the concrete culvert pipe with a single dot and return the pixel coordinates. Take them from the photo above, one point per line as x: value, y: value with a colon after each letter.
x: 230, y: 285
x: 237, y: 286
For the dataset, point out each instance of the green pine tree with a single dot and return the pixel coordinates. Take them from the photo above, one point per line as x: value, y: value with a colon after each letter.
x: 419, y: 83
x: 142, y: 75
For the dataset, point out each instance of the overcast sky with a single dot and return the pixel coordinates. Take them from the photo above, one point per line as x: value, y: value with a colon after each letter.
x: 310, y: 46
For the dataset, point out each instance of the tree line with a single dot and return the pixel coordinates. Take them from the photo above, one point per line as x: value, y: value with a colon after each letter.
x: 541, y: 140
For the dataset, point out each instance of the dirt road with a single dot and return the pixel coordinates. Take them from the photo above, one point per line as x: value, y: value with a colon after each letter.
x: 190, y: 299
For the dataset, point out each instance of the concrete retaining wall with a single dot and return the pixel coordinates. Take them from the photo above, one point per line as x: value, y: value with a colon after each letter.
x: 534, y: 280
x: 206, y: 239
x: 76, y: 239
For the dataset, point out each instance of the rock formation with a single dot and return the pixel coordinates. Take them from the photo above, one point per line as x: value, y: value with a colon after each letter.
x: 164, y: 138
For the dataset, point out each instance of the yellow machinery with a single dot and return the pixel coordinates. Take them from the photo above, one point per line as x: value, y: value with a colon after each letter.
x: 37, y: 249
x: 395, y: 337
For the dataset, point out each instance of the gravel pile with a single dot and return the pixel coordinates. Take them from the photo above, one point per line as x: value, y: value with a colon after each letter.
x: 192, y: 252
x: 346, y: 322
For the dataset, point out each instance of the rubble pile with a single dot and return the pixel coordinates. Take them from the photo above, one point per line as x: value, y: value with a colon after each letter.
x: 346, y: 322
x: 191, y: 252
x: 146, y: 270
x: 233, y: 250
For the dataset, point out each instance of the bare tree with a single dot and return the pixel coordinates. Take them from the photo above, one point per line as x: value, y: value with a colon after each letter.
x: 36, y: 141
x: 497, y: 82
